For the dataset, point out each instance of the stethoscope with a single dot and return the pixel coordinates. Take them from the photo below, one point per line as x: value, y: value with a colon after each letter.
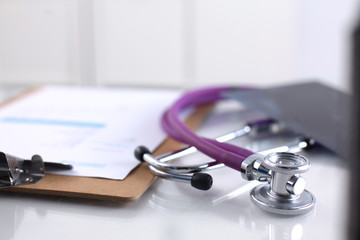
x: 284, y: 189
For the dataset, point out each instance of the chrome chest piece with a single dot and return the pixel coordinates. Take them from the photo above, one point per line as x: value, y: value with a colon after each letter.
x: 284, y: 192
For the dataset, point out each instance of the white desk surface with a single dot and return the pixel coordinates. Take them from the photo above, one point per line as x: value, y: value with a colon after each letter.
x: 170, y: 210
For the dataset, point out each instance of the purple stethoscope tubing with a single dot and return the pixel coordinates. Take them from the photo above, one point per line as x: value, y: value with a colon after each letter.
x: 230, y: 155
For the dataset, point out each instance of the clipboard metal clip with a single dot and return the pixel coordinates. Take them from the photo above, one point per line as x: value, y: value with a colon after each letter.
x: 17, y: 171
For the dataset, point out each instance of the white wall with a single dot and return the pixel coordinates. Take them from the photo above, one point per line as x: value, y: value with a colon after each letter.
x: 324, y: 39
x: 38, y: 41
x: 174, y: 43
x: 139, y: 42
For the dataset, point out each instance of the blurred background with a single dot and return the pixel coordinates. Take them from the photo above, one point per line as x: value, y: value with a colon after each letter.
x: 175, y: 43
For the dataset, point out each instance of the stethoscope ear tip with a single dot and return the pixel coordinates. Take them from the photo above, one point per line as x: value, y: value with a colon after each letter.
x: 201, y: 181
x: 140, y: 151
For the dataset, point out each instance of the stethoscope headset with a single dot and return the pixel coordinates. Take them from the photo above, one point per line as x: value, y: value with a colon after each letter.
x: 284, y: 189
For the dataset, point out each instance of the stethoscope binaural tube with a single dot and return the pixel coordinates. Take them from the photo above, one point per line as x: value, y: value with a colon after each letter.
x: 230, y: 155
x: 194, y: 174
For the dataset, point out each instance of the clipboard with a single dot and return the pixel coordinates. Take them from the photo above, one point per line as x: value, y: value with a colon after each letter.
x: 129, y: 189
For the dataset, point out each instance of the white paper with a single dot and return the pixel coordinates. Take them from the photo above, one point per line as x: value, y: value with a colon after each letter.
x: 94, y: 129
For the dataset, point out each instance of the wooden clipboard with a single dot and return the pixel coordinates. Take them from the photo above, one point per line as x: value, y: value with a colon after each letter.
x: 129, y: 189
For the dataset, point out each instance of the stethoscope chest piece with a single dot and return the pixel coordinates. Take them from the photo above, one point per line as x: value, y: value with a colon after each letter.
x: 285, y: 191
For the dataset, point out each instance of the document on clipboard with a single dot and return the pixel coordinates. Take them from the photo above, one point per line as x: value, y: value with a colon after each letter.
x: 93, y: 129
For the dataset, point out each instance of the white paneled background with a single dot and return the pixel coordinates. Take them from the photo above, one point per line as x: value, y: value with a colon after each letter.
x: 174, y: 43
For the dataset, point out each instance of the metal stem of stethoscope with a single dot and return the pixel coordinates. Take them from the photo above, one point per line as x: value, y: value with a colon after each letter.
x: 181, y: 173
x: 192, y: 173
x: 284, y: 191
